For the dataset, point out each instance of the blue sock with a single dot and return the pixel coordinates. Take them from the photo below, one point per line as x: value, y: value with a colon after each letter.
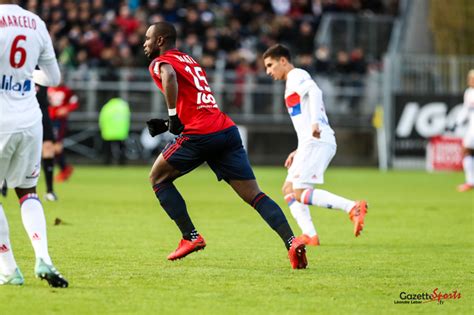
x: 174, y: 205
x: 273, y: 215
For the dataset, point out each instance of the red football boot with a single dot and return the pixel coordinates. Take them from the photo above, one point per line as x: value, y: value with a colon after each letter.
x: 64, y: 174
x: 357, y: 216
x: 297, y: 254
x: 186, y: 247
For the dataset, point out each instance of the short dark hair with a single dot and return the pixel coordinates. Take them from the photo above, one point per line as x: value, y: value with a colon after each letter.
x: 165, y: 30
x: 277, y: 51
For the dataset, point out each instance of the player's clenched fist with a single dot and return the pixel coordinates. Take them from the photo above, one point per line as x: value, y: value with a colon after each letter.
x: 175, y: 125
x: 157, y: 126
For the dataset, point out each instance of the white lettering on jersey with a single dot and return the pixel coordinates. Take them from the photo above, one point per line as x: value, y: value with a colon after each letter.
x: 24, y: 44
x: 17, y: 21
x: 186, y: 59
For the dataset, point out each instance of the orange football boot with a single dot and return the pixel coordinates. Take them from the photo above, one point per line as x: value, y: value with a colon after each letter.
x: 465, y: 187
x: 357, y: 215
x: 309, y: 240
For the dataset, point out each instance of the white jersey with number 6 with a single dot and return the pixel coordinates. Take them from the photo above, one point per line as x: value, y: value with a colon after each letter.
x: 24, y: 44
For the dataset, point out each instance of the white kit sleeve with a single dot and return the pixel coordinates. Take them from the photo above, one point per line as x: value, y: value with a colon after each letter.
x: 48, y: 75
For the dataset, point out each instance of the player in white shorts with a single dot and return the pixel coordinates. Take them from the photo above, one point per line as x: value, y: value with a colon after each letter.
x: 467, y: 113
x: 24, y: 44
x: 316, y: 147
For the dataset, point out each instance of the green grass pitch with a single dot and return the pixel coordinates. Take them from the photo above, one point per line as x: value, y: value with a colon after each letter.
x: 115, y: 238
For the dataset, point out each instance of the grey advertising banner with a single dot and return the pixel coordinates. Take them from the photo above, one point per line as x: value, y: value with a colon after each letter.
x: 417, y: 118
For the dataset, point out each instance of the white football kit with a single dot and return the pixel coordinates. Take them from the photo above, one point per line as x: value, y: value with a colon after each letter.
x: 24, y: 44
x: 304, y: 101
x: 467, y: 113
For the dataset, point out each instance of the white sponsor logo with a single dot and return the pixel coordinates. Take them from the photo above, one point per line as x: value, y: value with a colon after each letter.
x: 428, y: 120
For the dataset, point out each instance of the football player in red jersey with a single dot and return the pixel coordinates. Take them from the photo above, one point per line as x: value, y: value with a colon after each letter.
x: 62, y: 101
x: 205, y: 134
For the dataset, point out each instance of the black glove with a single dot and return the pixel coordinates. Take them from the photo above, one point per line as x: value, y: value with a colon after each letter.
x: 175, y: 125
x: 157, y: 126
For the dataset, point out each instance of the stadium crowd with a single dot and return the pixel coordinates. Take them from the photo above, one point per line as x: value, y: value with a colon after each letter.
x: 225, y: 33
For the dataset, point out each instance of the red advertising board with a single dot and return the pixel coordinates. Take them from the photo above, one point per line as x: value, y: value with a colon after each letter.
x: 444, y: 154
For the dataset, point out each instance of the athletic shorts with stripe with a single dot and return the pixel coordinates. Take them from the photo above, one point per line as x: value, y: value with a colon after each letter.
x: 223, y: 151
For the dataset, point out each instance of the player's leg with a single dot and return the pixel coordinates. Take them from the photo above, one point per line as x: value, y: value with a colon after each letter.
x: 122, y: 148
x: 25, y: 170
x: 268, y: 209
x: 230, y: 162
x: 3, y: 188
x: 314, y: 162
x: 9, y: 272
x: 468, y: 167
x: 59, y: 156
x: 34, y: 222
x: 249, y: 191
x: 48, y: 146
x: 162, y: 175
x: 323, y: 198
x: 48, y: 169
x: 107, y: 151
x: 60, y: 132
x: 301, y: 214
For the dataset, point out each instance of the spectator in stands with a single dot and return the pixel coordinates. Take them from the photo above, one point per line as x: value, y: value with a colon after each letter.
x: 323, y: 61
x: 358, y: 62
x: 359, y: 69
x: 126, y: 21
x: 343, y: 65
x: 82, y: 29
x: 305, y: 39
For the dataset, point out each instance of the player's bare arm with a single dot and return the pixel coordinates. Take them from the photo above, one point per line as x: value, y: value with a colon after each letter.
x: 170, y: 89
x: 170, y: 85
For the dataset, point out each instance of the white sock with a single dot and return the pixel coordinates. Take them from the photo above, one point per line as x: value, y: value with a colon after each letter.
x: 302, y: 215
x: 34, y: 222
x: 7, y: 260
x: 325, y: 199
x: 468, y: 165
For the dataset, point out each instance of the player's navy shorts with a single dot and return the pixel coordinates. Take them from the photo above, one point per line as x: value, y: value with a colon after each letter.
x: 59, y: 129
x: 223, y: 151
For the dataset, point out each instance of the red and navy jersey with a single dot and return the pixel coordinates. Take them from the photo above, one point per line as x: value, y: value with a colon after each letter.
x: 196, y: 106
x: 62, y: 101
